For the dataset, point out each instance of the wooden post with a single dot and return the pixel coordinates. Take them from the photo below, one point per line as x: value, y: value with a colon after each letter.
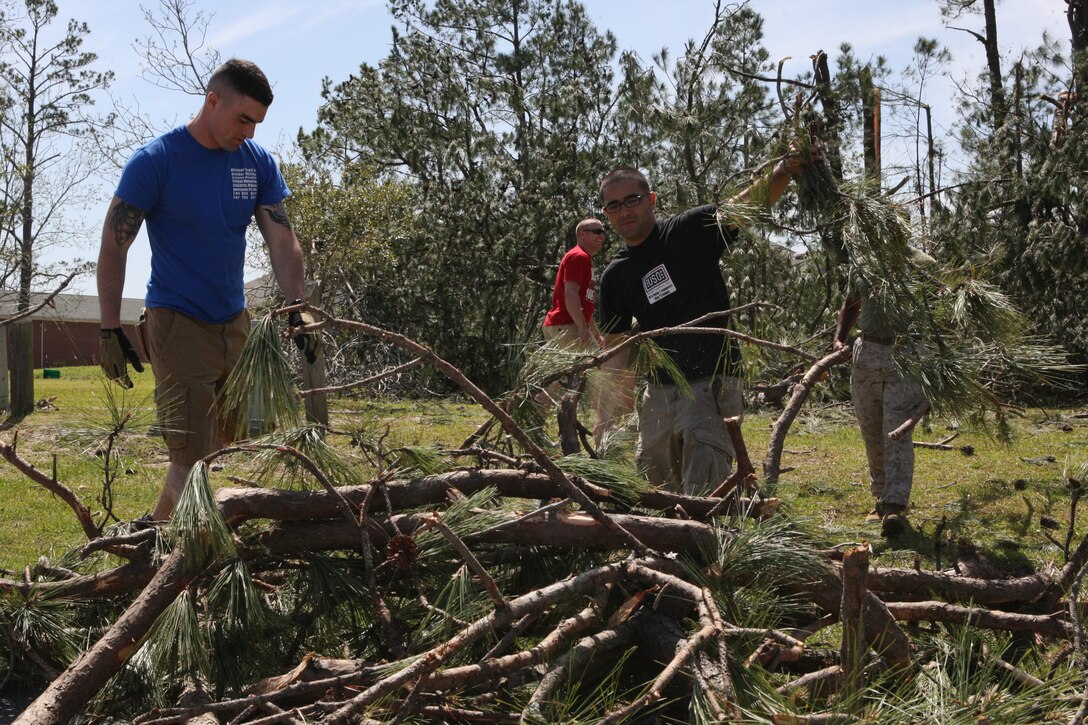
x: 314, y: 376
x: 21, y: 343
x: 855, y: 571
x: 5, y: 397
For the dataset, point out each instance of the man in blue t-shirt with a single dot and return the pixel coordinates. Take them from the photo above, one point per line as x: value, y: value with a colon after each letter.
x: 197, y: 187
x: 667, y: 275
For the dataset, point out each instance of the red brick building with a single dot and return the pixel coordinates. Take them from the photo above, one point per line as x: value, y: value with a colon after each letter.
x: 66, y: 333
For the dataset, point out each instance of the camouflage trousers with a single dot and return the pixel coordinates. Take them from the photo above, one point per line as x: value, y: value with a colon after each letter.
x: 883, y: 401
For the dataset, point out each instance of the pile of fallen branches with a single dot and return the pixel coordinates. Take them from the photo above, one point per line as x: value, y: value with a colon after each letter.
x: 508, y: 659
x: 521, y: 594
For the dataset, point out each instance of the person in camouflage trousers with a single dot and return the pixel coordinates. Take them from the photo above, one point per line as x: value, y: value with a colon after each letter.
x: 883, y: 400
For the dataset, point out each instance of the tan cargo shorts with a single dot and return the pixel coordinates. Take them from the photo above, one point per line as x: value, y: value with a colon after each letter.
x: 564, y: 337
x: 683, y: 444
x: 191, y: 360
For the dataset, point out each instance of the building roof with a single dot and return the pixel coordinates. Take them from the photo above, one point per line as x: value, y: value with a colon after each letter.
x: 84, y: 308
x: 69, y: 308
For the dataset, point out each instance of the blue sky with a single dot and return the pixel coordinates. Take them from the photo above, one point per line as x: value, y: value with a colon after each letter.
x: 299, y: 42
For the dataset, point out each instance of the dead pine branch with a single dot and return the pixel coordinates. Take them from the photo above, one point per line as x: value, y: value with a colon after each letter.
x: 434, y: 658
x: 435, y: 521
x: 744, y: 471
x: 497, y: 411
x: 51, y: 484
x: 910, y: 423
x: 772, y: 463
x: 47, y: 302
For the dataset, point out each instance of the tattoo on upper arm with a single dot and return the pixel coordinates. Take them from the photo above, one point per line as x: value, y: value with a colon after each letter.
x: 125, y: 221
x: 278, y: 212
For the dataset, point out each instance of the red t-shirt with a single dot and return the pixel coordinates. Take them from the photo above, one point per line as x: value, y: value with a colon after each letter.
x: 577, y: 267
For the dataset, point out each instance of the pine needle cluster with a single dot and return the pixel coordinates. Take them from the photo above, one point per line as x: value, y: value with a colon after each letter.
x: 957, y: 335
x: 261, y: 381
x: 197, y: 524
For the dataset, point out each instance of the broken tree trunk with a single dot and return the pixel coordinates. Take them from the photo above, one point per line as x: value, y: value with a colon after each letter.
x: 855, y: 567
x: 66, y: 696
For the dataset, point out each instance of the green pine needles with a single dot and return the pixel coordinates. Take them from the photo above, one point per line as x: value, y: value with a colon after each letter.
x: 197, y: 524
x: 261, y: 382
x: 957, y: 335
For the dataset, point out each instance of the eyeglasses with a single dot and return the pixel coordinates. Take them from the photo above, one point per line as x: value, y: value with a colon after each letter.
x: 595, y: 230
x: 632, y: 200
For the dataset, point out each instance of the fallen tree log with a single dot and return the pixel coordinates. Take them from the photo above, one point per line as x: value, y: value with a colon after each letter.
x: 570, y: 531
x: 66, y: 696
x: 239, y: 505
x: 535, y: 620
x: 1046, y: 625
x: 573, y: 530
x: 242, y: 504
x: 953, y: 588
x: 127, y: 577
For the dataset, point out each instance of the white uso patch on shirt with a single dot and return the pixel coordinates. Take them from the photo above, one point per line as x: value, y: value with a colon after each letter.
x: 589, y: 294
x: 658, y: 284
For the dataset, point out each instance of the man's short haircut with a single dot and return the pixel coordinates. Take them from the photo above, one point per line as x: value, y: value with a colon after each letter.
x: 626, y: 173
x: 587, y: 222
x: 242, y: 76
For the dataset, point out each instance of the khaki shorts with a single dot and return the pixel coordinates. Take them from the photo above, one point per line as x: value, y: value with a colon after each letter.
x: 565, y: 337
x: 191, y: 360
x: 683, y: 444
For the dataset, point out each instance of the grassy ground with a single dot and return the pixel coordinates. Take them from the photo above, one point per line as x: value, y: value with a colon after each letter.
x: 994, y: 498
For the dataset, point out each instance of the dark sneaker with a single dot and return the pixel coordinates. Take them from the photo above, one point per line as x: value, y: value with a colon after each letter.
x: 893, y: 525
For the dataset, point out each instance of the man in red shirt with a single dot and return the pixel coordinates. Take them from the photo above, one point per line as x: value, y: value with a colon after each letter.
x: 569, y: 323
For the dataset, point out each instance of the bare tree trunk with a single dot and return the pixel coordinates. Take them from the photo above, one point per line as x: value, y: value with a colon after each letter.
x: 1077, y: 15
x: 21, y: 339
x: 870, y: 110
x: 5, y: 395
x: 993, y: 63
x: 567, y: 416
x: 21, y: 349
x: 855, y: 568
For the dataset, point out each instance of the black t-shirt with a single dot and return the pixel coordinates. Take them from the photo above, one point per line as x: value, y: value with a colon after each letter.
x: 672, y: 278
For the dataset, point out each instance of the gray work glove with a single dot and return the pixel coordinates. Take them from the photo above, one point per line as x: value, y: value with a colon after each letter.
x: 114, y: 352
x: 308, y: 343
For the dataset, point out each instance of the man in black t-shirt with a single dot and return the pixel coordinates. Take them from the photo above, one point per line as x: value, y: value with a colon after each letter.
x: 668, y: 274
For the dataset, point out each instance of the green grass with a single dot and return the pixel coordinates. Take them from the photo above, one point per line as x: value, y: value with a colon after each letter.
x: 825, y: 486
x: 33, y: 522
x: 980, y: 497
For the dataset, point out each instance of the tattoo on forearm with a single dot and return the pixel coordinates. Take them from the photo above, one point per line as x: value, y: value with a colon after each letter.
x: 125, y: 221
x: 278, y: 212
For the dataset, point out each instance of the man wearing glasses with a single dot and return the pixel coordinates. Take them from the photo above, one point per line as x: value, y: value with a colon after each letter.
x: 569, y: 323
x: 570, y: 320
x: 667, y: 275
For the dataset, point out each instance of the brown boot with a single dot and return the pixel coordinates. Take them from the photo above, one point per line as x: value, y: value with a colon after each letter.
x: 873, y: 517
x: 894, y: 521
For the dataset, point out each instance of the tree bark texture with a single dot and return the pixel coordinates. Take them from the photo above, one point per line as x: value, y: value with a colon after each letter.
x: 21, y: 351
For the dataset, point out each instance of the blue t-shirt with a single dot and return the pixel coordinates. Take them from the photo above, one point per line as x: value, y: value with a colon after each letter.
x: 198, y: 203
